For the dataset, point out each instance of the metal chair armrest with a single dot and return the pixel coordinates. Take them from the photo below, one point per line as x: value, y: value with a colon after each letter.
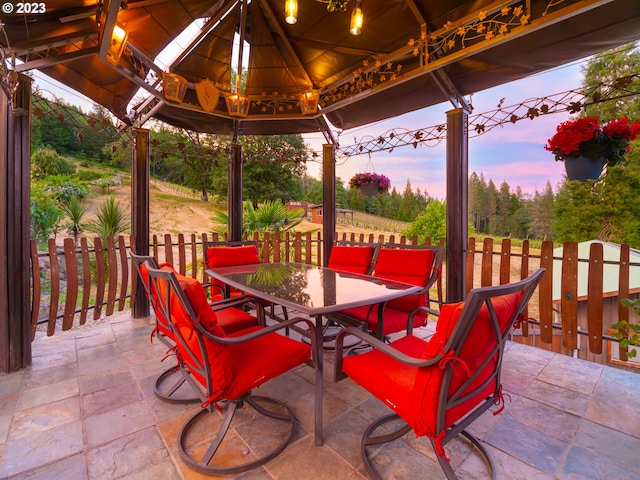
x: 240, y: 302
x: 379, y: 345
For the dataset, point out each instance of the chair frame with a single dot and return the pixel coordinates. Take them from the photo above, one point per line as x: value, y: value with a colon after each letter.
x: 476, y: 299
x: 171, y: 394
x: 203, y: 368
x: 170, y: 374
x: 435, y: 274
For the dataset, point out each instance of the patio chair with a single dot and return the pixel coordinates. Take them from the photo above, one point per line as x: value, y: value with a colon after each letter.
x: 354, y: 257
x: 227, y: 254
x: 224, y: 369
x: 440, y: 386
x: 415, y: 264
x: 232, y: 318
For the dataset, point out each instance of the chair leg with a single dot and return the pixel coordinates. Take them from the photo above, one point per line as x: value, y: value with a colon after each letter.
x: 368, y: 440
x: 175, y: 393
x: 206, y: 464
x: 446, y: 466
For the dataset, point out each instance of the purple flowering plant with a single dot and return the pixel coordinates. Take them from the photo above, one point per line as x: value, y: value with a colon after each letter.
x: 360, y: 179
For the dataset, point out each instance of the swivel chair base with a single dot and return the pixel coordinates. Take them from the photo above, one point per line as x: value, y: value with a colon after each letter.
x: 207, y: 463
x: 369, y: 440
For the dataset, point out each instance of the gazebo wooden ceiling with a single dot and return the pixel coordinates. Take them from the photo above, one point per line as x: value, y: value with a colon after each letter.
x: 411, y: 53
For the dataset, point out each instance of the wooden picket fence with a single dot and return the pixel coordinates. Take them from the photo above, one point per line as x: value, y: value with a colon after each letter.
x: 73, y: 283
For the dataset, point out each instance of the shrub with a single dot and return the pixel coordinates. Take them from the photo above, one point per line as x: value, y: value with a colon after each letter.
x: 88, y: 175
x: 105, y: 183
x: 431, y: 223
x: 75, y: 212
x: 46, y: 162
x: 63, y: 187
x: 45, y: 214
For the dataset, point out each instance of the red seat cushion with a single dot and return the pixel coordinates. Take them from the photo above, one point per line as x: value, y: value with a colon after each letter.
x: 261, y: 359
x: 228, y: 257
x: 354, y: 259
x: 413, y: 392
x: 394, y: 320
x: 411, y: 266
x: 235, y: 369
x: 230, y: 319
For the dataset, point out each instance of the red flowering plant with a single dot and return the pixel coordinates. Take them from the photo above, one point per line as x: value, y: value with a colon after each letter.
x: 360, y: 179
x: 585, y: 136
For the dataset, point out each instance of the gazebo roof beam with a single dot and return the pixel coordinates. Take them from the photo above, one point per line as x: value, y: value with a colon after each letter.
x: 228, y: 6
x: 61, y: 41
x: 47, y: 61
x: 285, y: 40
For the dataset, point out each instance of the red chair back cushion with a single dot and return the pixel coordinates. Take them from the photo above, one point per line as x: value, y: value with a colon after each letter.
x: 228, y: 257
x: 218, y: 354
x: 478, y: 345
x: 354, y: 259
x: 409, y: 266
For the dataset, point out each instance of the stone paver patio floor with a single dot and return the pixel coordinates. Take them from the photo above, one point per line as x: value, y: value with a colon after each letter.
x: 86, y: 409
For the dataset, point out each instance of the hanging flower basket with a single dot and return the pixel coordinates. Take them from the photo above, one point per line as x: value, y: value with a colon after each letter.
x: 370, y: 183
x: 584, y: 142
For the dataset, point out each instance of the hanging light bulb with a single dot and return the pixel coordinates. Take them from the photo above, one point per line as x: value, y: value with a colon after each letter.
x: 356, y: 20
x: 291, y: 11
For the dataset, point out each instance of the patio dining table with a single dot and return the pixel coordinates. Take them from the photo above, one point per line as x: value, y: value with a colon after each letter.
x: 313, y: 291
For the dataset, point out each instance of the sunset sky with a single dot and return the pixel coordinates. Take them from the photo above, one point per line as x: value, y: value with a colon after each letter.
x: 513, y: 153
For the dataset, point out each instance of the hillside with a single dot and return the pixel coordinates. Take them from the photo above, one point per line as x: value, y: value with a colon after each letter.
x: 176, y: 212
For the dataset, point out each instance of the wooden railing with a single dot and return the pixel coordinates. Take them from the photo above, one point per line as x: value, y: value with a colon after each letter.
x: 93, y: 280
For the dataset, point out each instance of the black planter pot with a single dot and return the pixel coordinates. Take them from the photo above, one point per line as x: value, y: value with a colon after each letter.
x: 369, y: 189
x: 584, y: 169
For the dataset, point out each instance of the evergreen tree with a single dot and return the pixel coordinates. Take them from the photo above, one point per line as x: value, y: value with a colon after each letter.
x: 607, y: 67
x: 490, y: 203
x: 503, y: 211
x: 406, y: 211
x: 476, y: 190
x: 541, y: 213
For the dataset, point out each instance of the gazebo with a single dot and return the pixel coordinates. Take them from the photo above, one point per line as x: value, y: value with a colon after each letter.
x: 253, y: 68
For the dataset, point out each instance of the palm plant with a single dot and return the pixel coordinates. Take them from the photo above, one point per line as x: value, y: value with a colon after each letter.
x: 110, y: 219
x: 75, y: 211
x: 271, y: 216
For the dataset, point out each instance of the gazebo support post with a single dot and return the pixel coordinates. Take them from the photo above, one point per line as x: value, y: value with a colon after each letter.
x: 235, y: 193
x: 328, y: 200
x: 457, y: 198
x: 15, y: 164
x: 140, y: 211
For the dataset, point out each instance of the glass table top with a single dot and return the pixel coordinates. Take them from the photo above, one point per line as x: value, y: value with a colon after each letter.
x: 308, y: 288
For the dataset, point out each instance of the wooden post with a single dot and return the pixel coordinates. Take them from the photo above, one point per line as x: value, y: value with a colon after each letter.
x: 328, y: 200
x: 234, y: 193
x: 140, y: 211
x: 15, y: 164
x: 457, y: 198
